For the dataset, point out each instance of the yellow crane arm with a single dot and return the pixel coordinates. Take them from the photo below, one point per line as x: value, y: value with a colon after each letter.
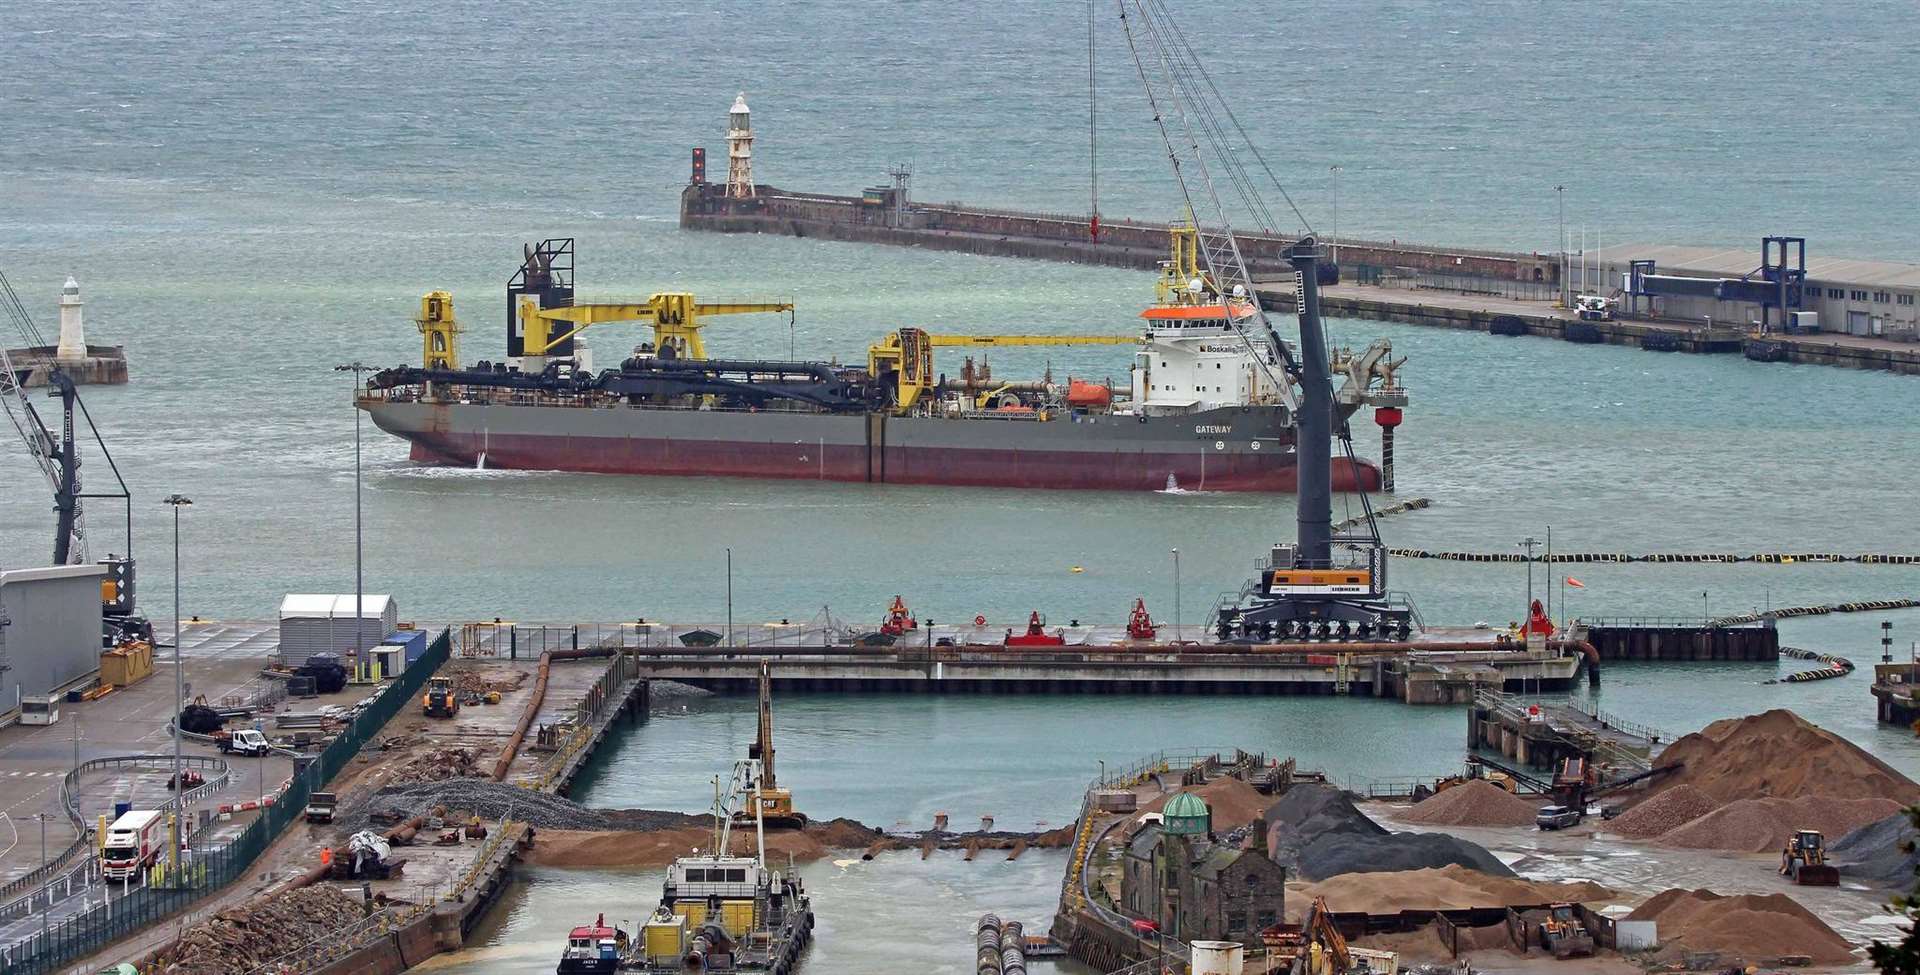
x: 970, y: 341
x: 675, y: 317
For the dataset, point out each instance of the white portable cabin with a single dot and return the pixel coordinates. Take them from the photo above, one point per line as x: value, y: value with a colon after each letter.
x: 324, y: 623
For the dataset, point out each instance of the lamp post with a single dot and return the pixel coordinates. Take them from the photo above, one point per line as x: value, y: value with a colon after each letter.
x: 1176, y: 595
x: 1528, y: 543
x: 1561, y: 192
x: 1336, y: 171
x: 176, y: 502
x: 359, y: 621
x: 729, y: 596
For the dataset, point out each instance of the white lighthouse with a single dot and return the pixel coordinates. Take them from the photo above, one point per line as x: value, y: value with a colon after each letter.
x: 73, y: 333
x: 739, y: 151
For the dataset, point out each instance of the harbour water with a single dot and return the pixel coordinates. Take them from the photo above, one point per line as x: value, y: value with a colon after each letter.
x: 248, y: 207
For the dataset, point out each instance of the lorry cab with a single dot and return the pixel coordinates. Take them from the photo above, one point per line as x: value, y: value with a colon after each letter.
x: 133, y: 843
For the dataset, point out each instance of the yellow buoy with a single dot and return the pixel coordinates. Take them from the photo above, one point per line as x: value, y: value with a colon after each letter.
x: 1076, y: 569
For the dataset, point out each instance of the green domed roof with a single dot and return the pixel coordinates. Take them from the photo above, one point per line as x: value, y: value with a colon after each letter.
x: 1186, y: 814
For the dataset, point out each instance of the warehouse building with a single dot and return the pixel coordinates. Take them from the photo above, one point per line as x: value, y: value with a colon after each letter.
x: 1849, y: 297
x: 313, y: 623
x: 49, y: 632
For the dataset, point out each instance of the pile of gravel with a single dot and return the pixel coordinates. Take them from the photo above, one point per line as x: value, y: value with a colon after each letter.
x: 487, y: 799
x: 1880, y: 853
x: 1316, y: 833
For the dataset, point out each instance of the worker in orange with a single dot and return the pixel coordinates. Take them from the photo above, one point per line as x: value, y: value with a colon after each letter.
x: 326, y: 857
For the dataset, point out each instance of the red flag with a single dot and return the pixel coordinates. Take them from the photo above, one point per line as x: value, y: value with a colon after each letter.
x: 1093, y: 227
x: 1575, y: 583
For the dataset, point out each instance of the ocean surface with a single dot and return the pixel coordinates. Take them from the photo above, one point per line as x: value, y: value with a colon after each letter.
x: 254, y: 194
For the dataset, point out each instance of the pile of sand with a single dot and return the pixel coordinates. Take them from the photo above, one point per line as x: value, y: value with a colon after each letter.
x: 1666, y: 810
x: 1764, y: 825
x: 1477, y: 803
x: 1446, y: 888
x: 1753, y: 928
x: 1426, y: 945
x: 1316, y: 833
x: 1233, y: 803
x: 1780, y: 754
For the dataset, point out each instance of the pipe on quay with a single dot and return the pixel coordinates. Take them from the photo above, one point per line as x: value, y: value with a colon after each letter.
x: 526, y: 717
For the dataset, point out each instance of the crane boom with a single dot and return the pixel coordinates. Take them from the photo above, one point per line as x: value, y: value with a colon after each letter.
x: 674, y: 316
x: 973, y: 341
x: 56, y: 455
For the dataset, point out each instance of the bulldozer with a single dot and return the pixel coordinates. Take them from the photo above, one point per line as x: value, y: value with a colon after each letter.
x: 1563, y: 934
x: 440, y: 699
x: 775, y: 804
x: 1804, y: 859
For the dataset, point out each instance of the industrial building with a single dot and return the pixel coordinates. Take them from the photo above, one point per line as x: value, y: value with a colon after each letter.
x: 1194, y: 887
x: 324, y: 623
x: 1846, y: 296
x: 49, y: 634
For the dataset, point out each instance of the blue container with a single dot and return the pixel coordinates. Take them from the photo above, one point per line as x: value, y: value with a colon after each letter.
x: 414, y: 640
x: 121, y: 809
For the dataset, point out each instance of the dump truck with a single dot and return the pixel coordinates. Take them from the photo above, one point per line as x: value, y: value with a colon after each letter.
x: 440, y: 699
x: 1804, y: 859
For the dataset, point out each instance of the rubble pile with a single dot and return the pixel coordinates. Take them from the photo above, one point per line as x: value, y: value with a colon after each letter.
x: 462, y: 797
x: 473, y: 682
x: 1476, y: 803
x: 440, y: 764
x: 241, y: 939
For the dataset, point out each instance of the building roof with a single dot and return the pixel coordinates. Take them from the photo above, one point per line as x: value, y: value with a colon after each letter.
x: 1186, y: 813
x: 316, y: 606
x: 1734, y: 262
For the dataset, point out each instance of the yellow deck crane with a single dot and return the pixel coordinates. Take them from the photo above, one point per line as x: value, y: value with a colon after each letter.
x: 907, y: 355
x: 675, y: 316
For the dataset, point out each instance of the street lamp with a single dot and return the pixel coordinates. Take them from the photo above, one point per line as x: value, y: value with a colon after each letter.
x: 1336, y: 171
x: 176, y: 502
x: 1176, y: 595
x: 1528, y: 543
x: 1561, y: 192
x: 359, y: 620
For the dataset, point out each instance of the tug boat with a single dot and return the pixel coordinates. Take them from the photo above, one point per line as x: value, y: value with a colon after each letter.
x: 593, y: 949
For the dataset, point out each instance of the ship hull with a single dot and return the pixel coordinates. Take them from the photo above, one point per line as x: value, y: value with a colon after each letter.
x: 1218, y: 450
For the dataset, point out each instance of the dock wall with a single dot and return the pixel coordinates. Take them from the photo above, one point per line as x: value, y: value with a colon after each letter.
x: 1452, y: 272
x: 1676, y: 641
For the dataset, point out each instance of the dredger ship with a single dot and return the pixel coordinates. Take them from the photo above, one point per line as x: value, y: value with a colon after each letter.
x: 1208, y: 406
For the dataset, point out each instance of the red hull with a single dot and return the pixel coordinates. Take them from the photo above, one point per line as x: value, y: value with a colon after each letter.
x: 1083, y: 470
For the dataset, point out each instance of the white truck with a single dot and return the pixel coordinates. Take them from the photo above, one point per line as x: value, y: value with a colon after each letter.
x: 133, y: 843
x: 246, y: 741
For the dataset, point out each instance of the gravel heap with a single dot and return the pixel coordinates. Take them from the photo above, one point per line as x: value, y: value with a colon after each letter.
x: 1316, y: 833
x: 1476, y: 803
x: 1783, y: 755
x: 1880, y: 853
x: 1666, y: 810
x: 487, y: 799
x: 1764, y: 825
x: 1752, y: 928
x: 241, y: 939
x: 441, y: 763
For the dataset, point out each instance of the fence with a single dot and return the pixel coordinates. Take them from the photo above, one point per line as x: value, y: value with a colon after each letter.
x: 205, y: 872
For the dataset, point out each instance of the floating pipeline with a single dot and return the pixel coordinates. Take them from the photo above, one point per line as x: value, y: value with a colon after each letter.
x: 1835, y: 666
x: 1411, y: 504
x: 1578, y: 558
x: 1789, y: 612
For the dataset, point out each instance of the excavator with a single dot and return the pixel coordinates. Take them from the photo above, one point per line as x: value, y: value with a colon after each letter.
x: 1327, y: 951
x: 1804, y: 859
x: 775, y: 804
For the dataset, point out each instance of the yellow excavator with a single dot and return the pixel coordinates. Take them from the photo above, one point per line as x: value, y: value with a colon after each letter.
x: 775, y: 803
x: 1327, y: 951
x: 1804, y: 859
x: 907, y: 356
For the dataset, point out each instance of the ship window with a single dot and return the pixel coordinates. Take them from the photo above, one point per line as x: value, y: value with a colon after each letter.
x: 1216, y: 365
x: 737, y: 876
x: 1353, y: 578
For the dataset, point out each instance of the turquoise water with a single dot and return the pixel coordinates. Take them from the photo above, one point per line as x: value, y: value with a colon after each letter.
x: 253, y: 195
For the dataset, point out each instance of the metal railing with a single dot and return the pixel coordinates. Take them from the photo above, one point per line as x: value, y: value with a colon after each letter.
x: 174, y: 888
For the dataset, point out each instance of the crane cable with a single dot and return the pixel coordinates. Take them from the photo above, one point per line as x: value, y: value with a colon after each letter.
x: 1093, y: 136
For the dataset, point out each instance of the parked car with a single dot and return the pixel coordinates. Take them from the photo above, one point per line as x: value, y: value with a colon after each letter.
x: 1556, y: 817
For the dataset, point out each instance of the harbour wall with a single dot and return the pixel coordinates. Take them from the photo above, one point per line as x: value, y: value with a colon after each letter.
x: 1503, y: 292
